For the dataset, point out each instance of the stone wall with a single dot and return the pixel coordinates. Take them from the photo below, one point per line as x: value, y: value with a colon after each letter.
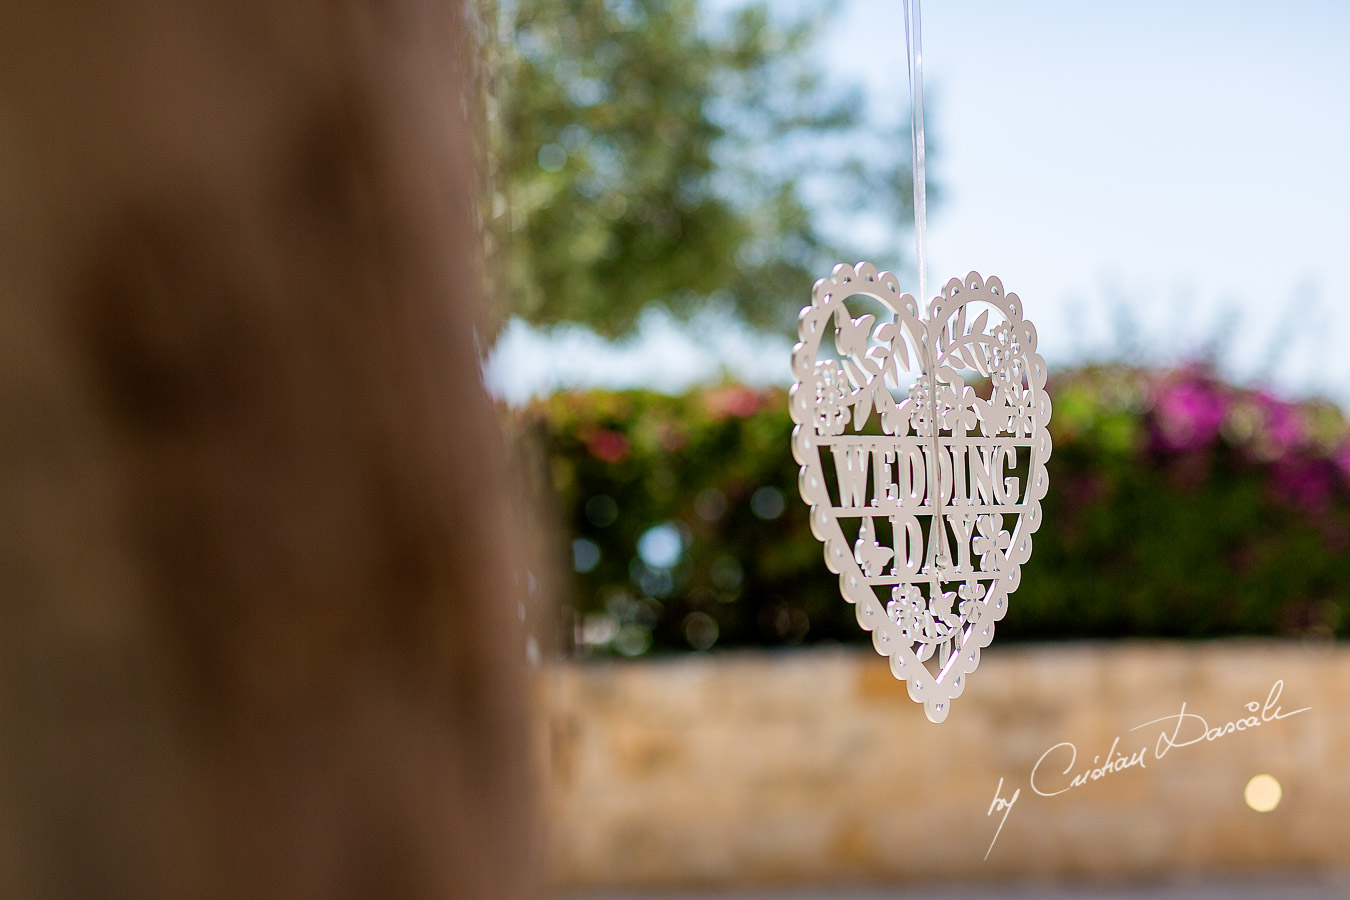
x: 814, y: 767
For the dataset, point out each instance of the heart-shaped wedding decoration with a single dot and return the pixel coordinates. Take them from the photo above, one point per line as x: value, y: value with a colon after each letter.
x: 922, y: 443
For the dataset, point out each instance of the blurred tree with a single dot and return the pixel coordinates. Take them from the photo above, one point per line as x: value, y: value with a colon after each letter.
x: 653, y: 152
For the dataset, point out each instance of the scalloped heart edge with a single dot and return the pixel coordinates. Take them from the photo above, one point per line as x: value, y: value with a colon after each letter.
x: 883, y: 286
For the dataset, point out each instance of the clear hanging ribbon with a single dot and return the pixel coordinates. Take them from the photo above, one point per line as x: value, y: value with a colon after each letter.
x: 937, y: 556
x: 914, y: 65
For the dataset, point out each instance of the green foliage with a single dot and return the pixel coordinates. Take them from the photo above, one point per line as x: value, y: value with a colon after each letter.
x: 1178, y: 506
x: 1182, y: 507
x: 652, y: 153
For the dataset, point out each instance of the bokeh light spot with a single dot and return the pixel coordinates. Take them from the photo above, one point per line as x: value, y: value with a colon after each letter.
x: 700, y: 630
x: 601, y: 510
x: 585, y: 555
x: 552, y: 158
x: 661, y: 545
x: 767, y: 503
x: 1263, y: 793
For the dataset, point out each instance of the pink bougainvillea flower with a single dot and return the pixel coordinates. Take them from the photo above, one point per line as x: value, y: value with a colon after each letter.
x: 1342, y: 459
x: 1305, y: 483
x: 1189, y: 414
x: 733, y: 400
x: 1282, y: 429
x: 608, y: 446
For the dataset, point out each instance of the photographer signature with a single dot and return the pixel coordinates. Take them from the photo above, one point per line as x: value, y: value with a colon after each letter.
x: 1179, y: 730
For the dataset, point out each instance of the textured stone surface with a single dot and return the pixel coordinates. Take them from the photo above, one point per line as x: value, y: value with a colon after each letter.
x: 814, y: 767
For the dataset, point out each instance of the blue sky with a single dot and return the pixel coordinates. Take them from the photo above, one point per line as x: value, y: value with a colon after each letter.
x: 1182, y: 168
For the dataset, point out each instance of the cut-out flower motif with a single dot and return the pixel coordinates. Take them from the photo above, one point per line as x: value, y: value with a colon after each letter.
x: 992, y: 542
x: 906, y: 608
x: 957, y: 411
x: 971, y: 592
x: 921, y: 416
x: 1001, y: 371
x: 832, y: 391
x: 1007, y: 356
x: 1009, y: 339
x: 1021, y: 413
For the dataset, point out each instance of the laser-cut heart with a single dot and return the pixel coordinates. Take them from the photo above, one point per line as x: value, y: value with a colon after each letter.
x: 928, y: 580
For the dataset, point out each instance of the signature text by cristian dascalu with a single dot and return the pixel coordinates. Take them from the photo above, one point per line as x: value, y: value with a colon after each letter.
x: 1059, y: 770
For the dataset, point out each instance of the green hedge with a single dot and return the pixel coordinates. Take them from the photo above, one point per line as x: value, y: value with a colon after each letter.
x: 1179, y: 506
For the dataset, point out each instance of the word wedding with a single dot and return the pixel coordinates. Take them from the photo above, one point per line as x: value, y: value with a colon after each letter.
x: 922, y: 442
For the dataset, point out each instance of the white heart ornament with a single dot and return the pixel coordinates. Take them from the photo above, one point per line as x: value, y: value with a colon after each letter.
x: 929, y: 571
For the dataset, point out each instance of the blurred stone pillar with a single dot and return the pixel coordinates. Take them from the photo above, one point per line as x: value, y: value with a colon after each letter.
x: 258, y: 631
